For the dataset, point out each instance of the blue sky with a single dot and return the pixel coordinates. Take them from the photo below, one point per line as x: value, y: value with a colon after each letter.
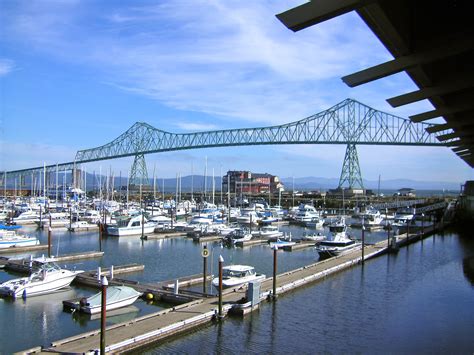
x: 76, y: 74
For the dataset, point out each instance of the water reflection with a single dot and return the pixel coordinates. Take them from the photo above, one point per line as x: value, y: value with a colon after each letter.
x: 468, y: 269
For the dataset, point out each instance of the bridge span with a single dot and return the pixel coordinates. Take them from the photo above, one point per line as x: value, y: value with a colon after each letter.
x: 348, y: 122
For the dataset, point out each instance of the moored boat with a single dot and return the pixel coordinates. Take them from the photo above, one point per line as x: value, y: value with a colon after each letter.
x: 131, y: 226
x: 237, y: 275
x: 49, y: 277
x: 339, y: 243
x: 116, y: 297
x: 10, y: 238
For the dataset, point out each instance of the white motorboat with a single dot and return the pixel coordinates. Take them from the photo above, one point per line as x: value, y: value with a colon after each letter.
x: 371, y: 217
x: 339, y: 242
x: 268, y: 232
x: 28, y: 217
x: 315, y: 222
x: 404, y: 216
x: 305, y: 213
x: 248, y: 216
x: 83, y: 226
x: 238, y: 235
x: 237, y: 275
x: 116, y: 297
x: 131, y: 226
x: 47, y: 278
x: 9, y: 239
x: 315, y: 237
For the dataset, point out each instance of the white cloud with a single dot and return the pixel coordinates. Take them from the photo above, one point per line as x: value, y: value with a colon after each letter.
x: 230, y: 59
x: 194, y: 126
x: 6, y: 66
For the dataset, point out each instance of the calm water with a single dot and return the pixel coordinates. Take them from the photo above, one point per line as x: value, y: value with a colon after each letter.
x: 419, y: 300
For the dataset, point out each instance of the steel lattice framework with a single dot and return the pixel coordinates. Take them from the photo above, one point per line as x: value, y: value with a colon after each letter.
x: 348, y: 122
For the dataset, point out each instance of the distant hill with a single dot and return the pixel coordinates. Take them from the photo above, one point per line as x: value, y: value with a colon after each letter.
x: 311, y: 183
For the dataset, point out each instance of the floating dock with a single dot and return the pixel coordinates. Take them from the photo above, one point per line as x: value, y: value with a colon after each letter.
x: 12, y: 250
x: 299, y: 246
x: 164, y: 235
x: 208, y: 238
x: 158, y: 326
x: 251, y: 242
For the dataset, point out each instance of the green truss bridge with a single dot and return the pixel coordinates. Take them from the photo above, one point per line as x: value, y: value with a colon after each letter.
x: 349, y: 122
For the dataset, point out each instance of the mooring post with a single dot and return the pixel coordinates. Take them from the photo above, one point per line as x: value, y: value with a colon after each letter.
x: 388, y: 236
x: 363, y: 240
x: 205, y: 254
x: 221, y: 262
x: 70, y: 218
x: 103, y: 314
x: 408, y: 231
x: 275, y: 251
x: 143, y: 224
x: 422, y: 226
x: 101, y: 231
x: 49, y: 241
x: 41, y: 216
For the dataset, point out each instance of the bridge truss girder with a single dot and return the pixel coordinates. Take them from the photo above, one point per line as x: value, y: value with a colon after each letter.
x: 349, y: 122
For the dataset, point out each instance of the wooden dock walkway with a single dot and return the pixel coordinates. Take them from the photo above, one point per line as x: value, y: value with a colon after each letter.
x: 23, y: 249
x: 299, y: 246
x: 157, y: 326
x: 251, y: 242
x: 164, y: 235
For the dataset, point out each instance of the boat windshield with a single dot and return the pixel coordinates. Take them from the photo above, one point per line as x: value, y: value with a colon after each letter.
x: 237, y: 273
x: 336, y: 229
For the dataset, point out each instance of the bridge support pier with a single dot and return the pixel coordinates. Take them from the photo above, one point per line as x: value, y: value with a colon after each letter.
x: 350, y: 169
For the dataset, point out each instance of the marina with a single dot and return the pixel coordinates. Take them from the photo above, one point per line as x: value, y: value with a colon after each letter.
x: 287, y: 280
x: 160, y: 325
x: 194, y: 180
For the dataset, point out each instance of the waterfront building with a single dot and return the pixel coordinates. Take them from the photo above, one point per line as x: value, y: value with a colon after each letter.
x: 246, y: 182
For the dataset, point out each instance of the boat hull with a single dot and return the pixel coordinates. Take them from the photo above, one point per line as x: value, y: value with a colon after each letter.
x: 110, y: 306
x: 4, y: 244
x: 234, y: 282
x: 29, y: 289
x: 124, y: 231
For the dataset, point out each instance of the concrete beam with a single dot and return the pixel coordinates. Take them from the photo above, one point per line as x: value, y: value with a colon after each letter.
x: 441, y: 111
x: 426, y: 93
x: 314, y: 12
x: 408, y: 61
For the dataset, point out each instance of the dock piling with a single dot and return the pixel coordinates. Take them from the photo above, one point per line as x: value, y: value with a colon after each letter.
x: 221, y: 262
x: 49, y: 238
x: 205, y: 254
x: 388, y: 236
x: 363, y: 240
x: 275, y: 251
x: 103, y: 314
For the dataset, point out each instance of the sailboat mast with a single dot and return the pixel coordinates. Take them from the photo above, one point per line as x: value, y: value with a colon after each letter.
x: 213, y: 186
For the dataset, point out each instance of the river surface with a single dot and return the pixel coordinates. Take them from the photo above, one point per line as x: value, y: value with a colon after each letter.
x: 420, y: 300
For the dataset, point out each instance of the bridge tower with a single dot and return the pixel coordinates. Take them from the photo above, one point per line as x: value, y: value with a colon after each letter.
x: 139, y: 173
x: 350, y: 169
